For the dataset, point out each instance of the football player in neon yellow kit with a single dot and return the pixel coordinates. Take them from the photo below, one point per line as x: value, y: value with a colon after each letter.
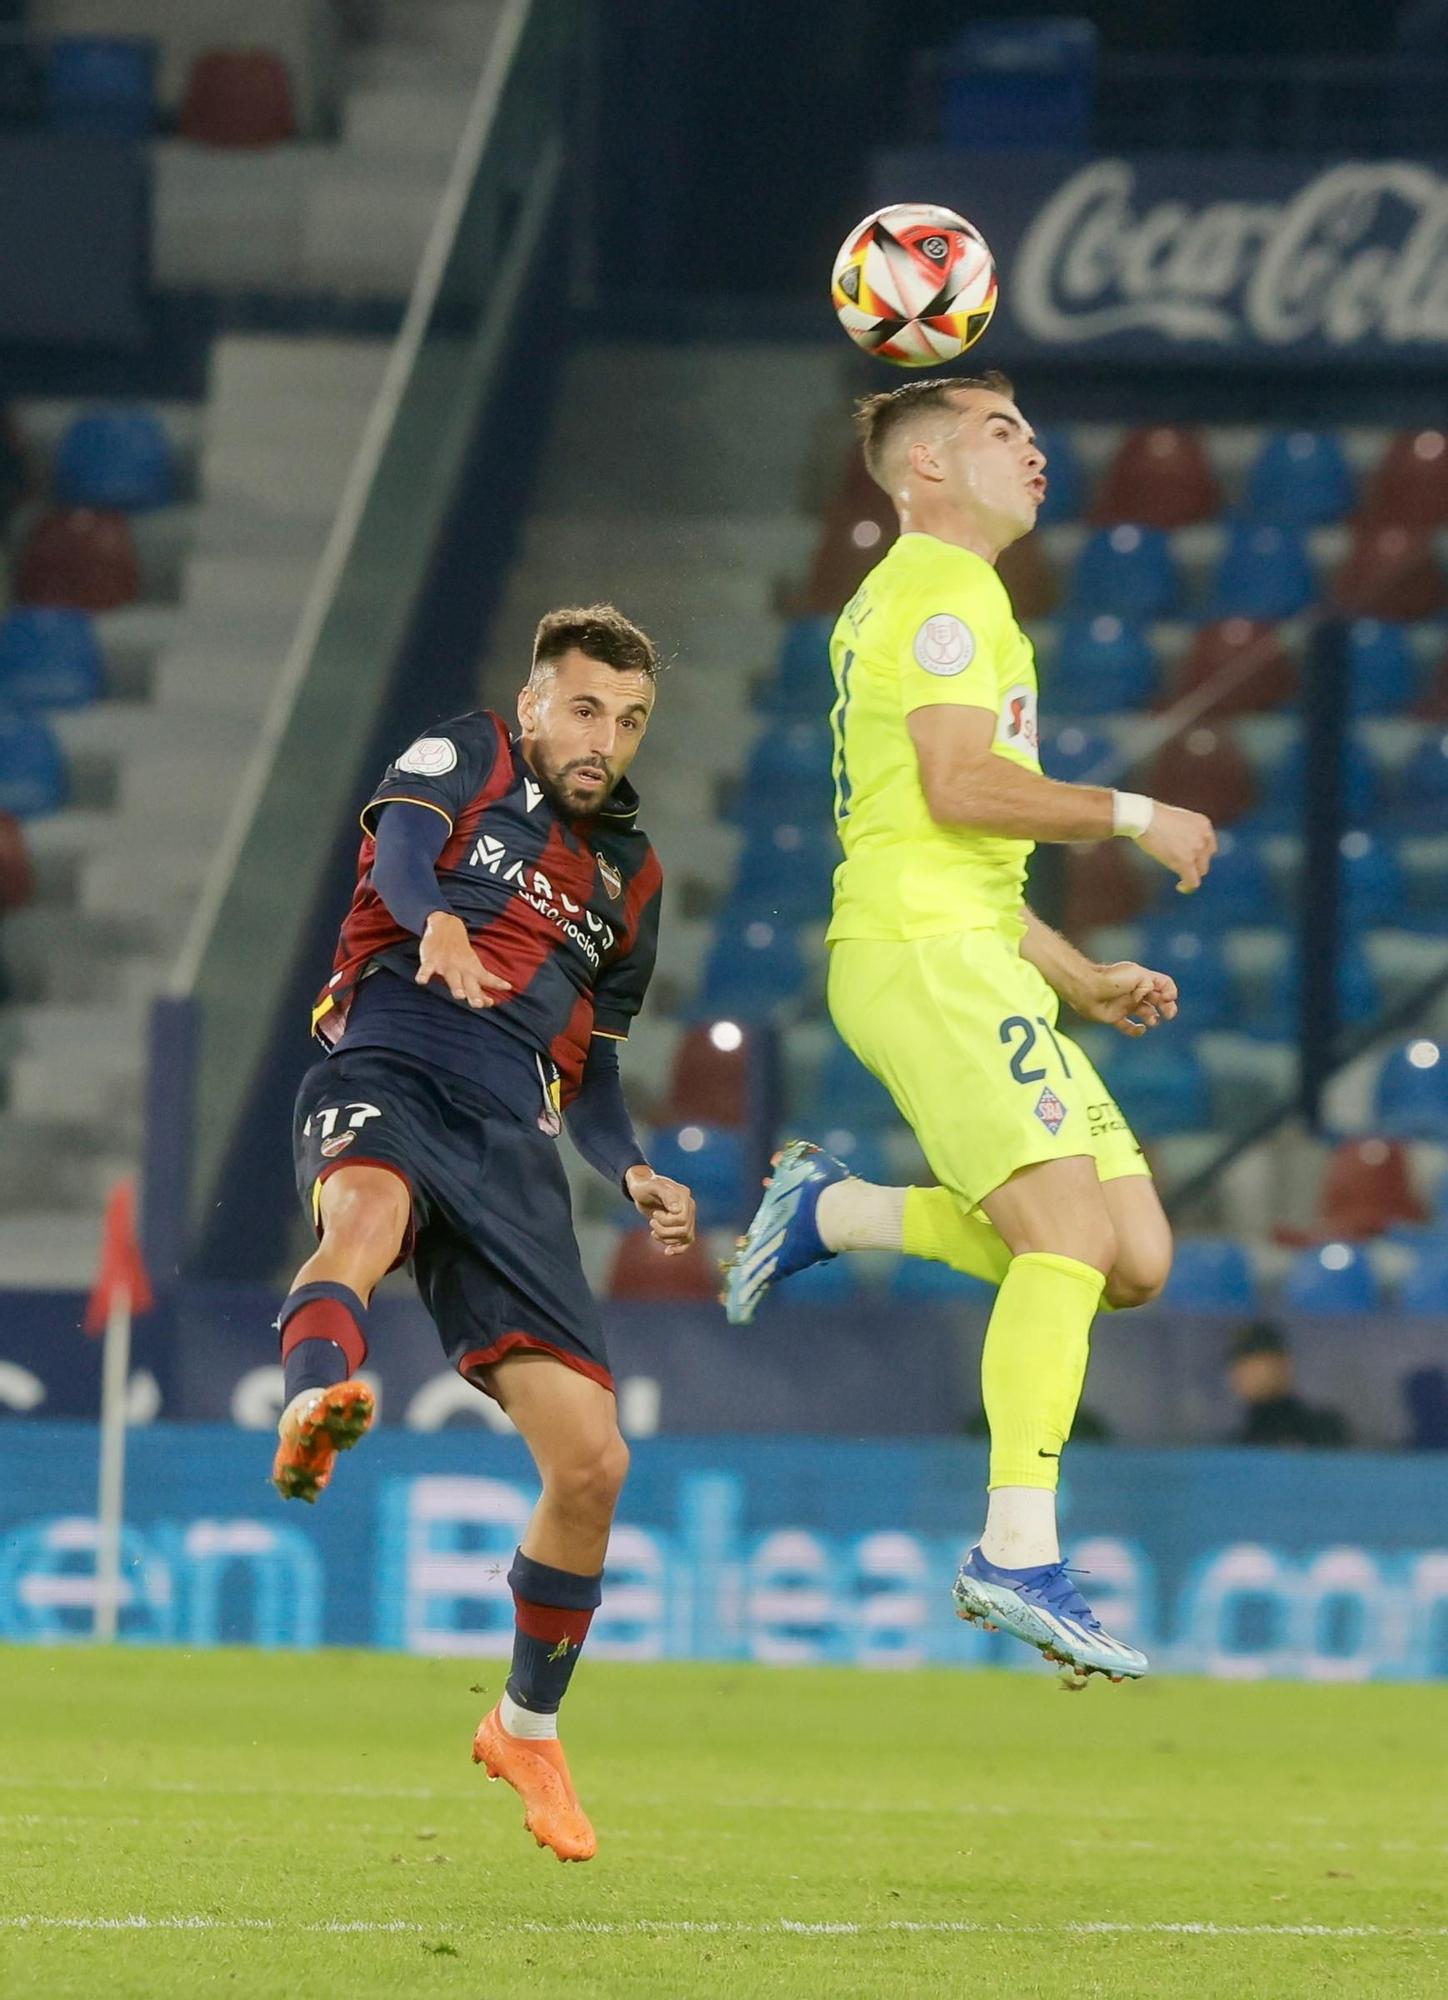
x: 947, y: 986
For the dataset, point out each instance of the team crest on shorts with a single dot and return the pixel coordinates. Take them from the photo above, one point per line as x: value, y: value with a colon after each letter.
x: 338, y: 1143
x: 1051, y: 1111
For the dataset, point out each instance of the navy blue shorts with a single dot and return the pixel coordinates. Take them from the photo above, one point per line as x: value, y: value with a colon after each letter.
x: 491, y: 1236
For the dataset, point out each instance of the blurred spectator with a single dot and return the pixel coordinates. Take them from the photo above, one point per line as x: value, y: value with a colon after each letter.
x: 1261, y: 1371
x: 1425, y: 1394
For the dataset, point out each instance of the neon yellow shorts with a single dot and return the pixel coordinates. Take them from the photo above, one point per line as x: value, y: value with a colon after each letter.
x: 962, y: 1032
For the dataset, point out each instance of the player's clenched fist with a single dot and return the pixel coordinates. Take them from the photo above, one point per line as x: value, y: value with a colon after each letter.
x: 1182, y: 841
x: 447, y: 954
x: 667, y: 1206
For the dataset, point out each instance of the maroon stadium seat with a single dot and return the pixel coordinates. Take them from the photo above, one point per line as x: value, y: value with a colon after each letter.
x: 1025, y: 570
x: 1390, y: 572
x: 238, y: 97
x: 1367, y: 1188
x: 79, y: 559
x: 1268, y: 673
x: 1410, y: 486
x: 17, y: 880
x: 1160, y: 477
x: 1103, y: 886
x: 708, y: 1085
x: 642, y: 1271
x: 1206, y: 771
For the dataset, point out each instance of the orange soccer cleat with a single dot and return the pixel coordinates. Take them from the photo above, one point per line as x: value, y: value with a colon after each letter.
x: 537, y: 1770
x: 315, y: 1426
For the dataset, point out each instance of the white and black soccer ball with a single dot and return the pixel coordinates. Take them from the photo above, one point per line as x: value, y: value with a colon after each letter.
x: 914, y: 284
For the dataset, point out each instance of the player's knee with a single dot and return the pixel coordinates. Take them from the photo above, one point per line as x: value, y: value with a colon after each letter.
x: 1139, y: 1274
x: 366, y: 1224
x: 589, y: 1482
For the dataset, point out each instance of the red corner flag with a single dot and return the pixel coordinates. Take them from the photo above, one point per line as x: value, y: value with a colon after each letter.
x: 120, y: 1265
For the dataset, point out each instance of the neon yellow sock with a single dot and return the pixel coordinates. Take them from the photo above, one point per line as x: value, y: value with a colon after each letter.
x: 1034, y: 1363
x: 940, y: 1227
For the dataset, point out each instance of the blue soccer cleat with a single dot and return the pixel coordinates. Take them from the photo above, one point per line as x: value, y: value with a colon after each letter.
x: 1044, y: 1607
x: 781, y: 1238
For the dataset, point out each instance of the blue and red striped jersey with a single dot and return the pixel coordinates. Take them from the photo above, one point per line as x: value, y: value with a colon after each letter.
x: 567, y: 910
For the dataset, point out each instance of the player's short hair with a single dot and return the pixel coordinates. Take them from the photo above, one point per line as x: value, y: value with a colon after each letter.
x: 602, y: 632
x: 879, y: 418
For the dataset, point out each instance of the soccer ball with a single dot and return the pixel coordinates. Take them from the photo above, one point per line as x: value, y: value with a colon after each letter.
x: 914, y: 284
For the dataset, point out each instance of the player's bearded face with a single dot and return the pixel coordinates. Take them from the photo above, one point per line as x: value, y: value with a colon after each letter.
x: 582, y: 725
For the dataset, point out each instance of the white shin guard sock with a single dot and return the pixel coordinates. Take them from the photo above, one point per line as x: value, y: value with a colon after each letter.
x: 858, y: 1215
x: 524, y: 1721
x: 1020, y: 1528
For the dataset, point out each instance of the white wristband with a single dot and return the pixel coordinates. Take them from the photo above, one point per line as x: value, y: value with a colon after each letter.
x: 1131, y: 813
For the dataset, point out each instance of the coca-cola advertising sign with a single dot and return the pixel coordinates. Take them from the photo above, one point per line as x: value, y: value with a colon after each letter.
x: 1202, y: 257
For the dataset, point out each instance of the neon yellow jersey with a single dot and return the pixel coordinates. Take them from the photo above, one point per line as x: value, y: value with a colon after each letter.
x: 930, y: 625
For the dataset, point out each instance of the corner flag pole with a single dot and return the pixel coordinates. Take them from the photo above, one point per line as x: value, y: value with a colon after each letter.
x: 121, y: 1289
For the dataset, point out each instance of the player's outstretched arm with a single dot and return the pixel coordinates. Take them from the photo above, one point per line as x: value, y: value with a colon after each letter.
x: 966, y: 785
x: 1125, y: 996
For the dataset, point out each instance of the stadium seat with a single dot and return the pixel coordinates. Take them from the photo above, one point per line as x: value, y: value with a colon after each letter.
x: 847, y: 1094
x: 1424, y: 1290
x: 1264, y: 573
x: 1410, y: 485
x: 17, y: 876
x: 1127, y: 571
x: 831, y: 1283
x: 1284, y: 790
x: 1359, y: 997
x: 1194, y: 959
x: 1382, y: 672
x: 788, y: 772
x: 788, y: 871
x: 1104, y: 885
x: 1299, y: 479
x: 1238, y: 890
x: 862, y: 1151
x: 1160, y: 477
x: 1163, y: 1090
x: 709, y: 1159
x: 1064, y: 482
x: 79, y: 559
x: 1432, y: 704
x: 101, y: 86
x: 1076, y: 756
x: 1366, y: 1190
x: 1211, y: 1274
x: 1247, y: 654
x: 919, y: 1280
x: 49, y: 659
x: 1411, y: 1097
x: 1374, y: 888
x: 709, y: 1079
x: 238, y: 98
x: 32, y: 770
x: 1420, y: 794
x: 642, y: 1274
x: 1334, y: 1278
x: 115, y: 458
x: 1205, y: 771
x: 1390, y: 572
x: 1029, y: 577
x: 1102, y: 665
x: 801, y: 685
x: 753, y: 968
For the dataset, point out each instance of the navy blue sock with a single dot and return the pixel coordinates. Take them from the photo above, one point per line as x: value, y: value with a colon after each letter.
x: 324, y: 1336
x: 552, y: 1609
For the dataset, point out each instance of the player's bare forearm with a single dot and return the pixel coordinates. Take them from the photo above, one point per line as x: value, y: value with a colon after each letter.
x: 1128, y: 997
x: 1065, y: 970
x: 967, y: 786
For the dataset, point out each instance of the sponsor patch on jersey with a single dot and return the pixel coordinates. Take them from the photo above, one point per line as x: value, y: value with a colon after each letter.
x: 944, y: 645
x: 338, y: 1143
x: 429, y: 757
x: 612, y: 880
x: 1018, y: 725
x: 1051, y: 1111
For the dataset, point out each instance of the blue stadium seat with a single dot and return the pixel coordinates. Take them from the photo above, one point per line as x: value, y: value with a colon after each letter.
x: 1102, y: 664
x: 1420, y: 796
x: 847, y: 1094
x: 788, y: 771
x: 1359, y: 997
x: 1127, y: 571
x: 32, y: 770
x: 1299, y: 480
x: 753, y: 968
x: 1238, y: 890
x: 1065, y: 486
x: 101, y: 85
x: 1194, y: 959
x: 1334, y: 1278
x: 1281, y: 806
x: 787, y: 871
x: 1162, y: 1090
x: 1374, y: 887
x: 802, y: 685
x: 1383, y: 676
x: 834, y: 1283
x: 862, y: 1151
x: 710, y: 1160
x: 1211, y: 1274
x: 1425, y: 1288
x: 918, y: 1279
x: 1411, y: 1099
x: 115, y: 458
x: 49, y: 659
x: 1076, y: 756
x: 1264, y: 573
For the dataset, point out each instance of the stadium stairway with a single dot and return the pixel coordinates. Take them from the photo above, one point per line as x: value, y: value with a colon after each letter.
x: 154, y: 768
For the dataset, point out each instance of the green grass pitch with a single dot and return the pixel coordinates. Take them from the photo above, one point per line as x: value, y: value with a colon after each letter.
x: 299, y: 1825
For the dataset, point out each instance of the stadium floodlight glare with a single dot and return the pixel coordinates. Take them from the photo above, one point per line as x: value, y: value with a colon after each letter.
x: 727, y: 1035
x: 1424, y: 1055
x: 691, y: 1138
x: 865, y: 534
x: 1335, y: 1256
